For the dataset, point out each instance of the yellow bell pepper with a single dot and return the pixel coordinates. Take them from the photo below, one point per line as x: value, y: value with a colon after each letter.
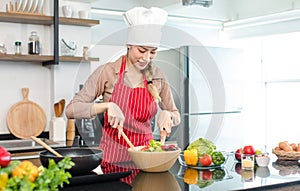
x: 190, y: 176
x: 3, y: 181
x: 190, y: 156
x: 26, y: 168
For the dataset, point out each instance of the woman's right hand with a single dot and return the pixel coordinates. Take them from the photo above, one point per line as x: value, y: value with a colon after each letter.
x: 115, y: 117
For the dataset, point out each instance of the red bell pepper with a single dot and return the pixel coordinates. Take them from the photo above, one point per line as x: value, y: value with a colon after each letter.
x: 5, y: 157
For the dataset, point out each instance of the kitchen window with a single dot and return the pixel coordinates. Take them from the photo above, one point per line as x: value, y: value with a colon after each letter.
x: 281, y: 68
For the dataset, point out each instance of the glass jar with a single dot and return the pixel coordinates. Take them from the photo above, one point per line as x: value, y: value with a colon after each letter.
x: 33, y: 43
x: 2, y: 48
x: 18, y: 48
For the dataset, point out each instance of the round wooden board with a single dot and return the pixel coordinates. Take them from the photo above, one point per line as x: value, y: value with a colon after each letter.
x: 26, y: 118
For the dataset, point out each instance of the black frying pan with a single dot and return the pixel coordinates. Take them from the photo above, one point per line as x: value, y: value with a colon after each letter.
x: 85, y: 159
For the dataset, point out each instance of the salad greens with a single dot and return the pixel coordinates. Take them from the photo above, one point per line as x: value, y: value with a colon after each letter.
x: 203, y: 146
x: 154, y: 146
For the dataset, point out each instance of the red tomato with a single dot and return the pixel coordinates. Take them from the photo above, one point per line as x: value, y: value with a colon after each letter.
x: 206, y: 175
x: 205, y: 160
x: 249, y: 149
x: 238, y: 154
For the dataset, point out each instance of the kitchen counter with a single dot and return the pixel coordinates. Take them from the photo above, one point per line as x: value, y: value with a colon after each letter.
x: 279, y: 175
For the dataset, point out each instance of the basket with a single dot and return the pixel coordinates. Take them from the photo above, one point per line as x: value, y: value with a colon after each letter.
x: 283, y: 155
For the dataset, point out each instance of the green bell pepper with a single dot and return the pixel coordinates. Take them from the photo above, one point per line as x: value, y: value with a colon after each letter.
x: 218, y: 158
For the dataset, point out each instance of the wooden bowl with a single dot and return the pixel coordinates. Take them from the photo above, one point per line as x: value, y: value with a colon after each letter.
x: 153, y: 161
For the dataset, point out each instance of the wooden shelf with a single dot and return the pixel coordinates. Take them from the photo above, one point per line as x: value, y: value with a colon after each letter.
x: 43, y: 58
x: 44, y: 20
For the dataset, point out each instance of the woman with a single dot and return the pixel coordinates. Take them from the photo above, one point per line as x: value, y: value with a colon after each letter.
x: 132, y: 88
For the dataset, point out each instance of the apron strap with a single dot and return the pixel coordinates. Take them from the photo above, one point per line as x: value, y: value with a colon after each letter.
x: 122, y: 69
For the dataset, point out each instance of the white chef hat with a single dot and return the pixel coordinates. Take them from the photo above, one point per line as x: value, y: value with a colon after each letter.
x: 144, y: 25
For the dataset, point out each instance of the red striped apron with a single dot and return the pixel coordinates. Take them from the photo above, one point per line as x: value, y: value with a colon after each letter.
x: 139, y: 109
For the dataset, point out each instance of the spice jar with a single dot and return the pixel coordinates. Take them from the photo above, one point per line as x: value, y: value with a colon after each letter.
x: 2, y: 48
x: 18, y: 48
x: 34, y: 43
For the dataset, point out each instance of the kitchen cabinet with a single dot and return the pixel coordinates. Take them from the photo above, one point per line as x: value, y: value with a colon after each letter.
x: 48, y: 21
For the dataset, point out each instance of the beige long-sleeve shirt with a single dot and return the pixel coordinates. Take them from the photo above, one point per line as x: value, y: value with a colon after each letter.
x: 101, y: 82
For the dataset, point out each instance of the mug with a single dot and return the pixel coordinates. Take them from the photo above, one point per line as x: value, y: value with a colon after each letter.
x: 83, y: 14
x: 67, y: 11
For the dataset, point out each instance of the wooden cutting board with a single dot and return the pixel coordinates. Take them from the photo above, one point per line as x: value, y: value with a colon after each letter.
x: 26, y: 118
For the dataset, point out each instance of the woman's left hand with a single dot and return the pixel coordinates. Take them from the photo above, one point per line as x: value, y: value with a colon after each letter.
x: 164, y: 123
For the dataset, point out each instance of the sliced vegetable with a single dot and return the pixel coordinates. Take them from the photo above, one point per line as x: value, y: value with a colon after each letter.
x: 218, y: 158
x: 155, y: 146
x: 190, y: 156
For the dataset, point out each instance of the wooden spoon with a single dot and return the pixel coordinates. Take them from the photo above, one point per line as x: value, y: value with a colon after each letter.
x: 61, y: 104
x: 46, y: 146
x: 56, y: 109
x: 59, y: 108
x: 127, y: 140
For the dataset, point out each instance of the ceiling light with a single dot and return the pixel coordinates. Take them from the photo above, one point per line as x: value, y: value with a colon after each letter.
x: 204, y: 3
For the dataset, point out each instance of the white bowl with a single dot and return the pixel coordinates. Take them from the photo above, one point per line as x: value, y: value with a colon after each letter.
x: 262, y: 161
x: 153, y: 161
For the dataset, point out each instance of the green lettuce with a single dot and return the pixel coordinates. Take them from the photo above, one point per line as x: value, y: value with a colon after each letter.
x: 203, y: 146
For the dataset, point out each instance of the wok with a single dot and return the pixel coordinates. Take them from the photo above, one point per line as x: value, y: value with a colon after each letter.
x: 85, y: 159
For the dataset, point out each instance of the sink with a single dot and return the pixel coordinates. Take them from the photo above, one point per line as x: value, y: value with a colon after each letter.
x: 27, y: 144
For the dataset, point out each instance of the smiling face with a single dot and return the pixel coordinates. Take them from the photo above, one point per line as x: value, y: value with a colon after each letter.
x: 140, y: 56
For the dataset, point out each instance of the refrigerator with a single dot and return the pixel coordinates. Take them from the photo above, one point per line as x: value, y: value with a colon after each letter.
x: 207, y: 85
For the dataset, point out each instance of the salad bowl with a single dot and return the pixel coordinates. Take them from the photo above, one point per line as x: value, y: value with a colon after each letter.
x: 153, y: 161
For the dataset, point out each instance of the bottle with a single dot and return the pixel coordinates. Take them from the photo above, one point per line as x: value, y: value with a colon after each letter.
x: 18, y: 48
x: 57, y: 129
x: 34, y: 43
x: 2, y: 48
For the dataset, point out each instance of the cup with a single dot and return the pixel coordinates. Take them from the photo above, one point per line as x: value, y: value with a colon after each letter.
x: 83, y: 14
x: 67, y: 11
x: 247, y: 161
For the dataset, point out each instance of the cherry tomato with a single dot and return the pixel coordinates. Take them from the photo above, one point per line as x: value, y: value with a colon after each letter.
x: 205, y: 160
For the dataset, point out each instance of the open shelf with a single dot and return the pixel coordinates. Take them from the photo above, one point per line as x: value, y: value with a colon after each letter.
x: 43, y: 58
x: 44, y: 20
